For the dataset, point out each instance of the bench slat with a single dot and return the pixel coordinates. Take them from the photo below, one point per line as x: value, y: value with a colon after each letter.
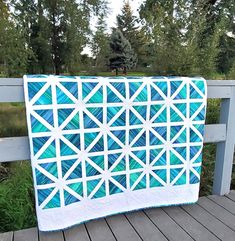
x: 17, y: 148
x: 11, y: 89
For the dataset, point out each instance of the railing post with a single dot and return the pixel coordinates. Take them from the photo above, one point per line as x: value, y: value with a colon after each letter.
x: 225, y: 150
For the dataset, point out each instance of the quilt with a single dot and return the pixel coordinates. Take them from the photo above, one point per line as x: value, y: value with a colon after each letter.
x: 101, y: 146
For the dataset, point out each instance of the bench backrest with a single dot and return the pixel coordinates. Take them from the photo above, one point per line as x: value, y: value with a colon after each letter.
x: 17, y: 148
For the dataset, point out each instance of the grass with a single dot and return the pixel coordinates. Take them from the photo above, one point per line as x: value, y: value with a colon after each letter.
x: 16, y: 186
x: 17, y: 199
x: 12, y: 120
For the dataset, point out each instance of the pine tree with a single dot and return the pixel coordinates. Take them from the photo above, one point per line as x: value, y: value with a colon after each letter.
x: 122, y: 55
x: 129, y: 25
x: 182, y: 43
x: 100, y: 43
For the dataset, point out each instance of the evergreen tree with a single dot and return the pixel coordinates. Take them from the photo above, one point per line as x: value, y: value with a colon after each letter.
x: 100, y: 43
x: 129, y: 25
x: 122, y: 55
x: 180, y: 45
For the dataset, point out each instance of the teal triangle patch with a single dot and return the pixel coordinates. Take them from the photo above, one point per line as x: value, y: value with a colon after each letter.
x: 50, y: 151
x: 174, y: 160
x: 45, y: 98
x: 101, y: 192
x: 120, y: 87
x: 77, y: 187
x: 155, y: 96
x: 47, y: 115
x: 112, y: 144
x: 141, y: 154
x: 91, y: 185
x: 41, y: 178
x: 69, y: 198
x: 43, y: 194
x: 72, y: 88
x: 161, y: 173
x: 153, y: 182
x: 87, y: 87
x: 98, y: 160
x: 62, y: 98
x: 50, y: 167
x: 54, y: 202
x: 91, y: 171
x: 121, y: 179
x: 34, y: 88
x: 181, y: 180
x: 65, y: 150
x: 99, y: 145
x: 182, y: 107
x: 37, y: 126
x: 133, y: 164
x: 97, y: 97
x: 133, y: 119
x: 142, y: 96
x: 161, y: 160
x: 174, y: 172
x: 175, y: 116
x: 112, y: 97
x: 133, y: 87
x: 133, y: 177
x: 113, y: 189
x: 141, y: 184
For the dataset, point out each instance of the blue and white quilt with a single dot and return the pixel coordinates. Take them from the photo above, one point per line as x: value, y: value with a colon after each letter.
x: 102, y: 146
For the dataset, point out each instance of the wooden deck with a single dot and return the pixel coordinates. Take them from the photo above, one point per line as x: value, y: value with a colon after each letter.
x: 212, y: 218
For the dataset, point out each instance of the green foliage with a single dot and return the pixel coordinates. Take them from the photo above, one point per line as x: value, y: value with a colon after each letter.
x: 122, y: 55
x: 13, y: 52
x: 12, y: 120
x: 17, y: 199
x: 100, y: 44
x: 134, y: 32
x: 185, y: 35
x: 213, y: 111
x: 231, y: 74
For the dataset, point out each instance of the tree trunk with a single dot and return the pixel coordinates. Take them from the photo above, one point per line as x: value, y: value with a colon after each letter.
x: 125, y: 70
x: 116, y: 71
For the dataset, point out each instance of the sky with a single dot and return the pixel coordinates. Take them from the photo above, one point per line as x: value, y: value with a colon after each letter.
x: 116, y: 6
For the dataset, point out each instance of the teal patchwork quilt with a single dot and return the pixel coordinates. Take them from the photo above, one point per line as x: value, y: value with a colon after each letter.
x: 102, y: 146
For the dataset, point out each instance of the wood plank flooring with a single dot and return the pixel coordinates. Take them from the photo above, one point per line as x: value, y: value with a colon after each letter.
x: 212, y: 218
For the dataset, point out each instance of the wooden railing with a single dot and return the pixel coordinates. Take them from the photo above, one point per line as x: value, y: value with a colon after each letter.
x: 17, y: 148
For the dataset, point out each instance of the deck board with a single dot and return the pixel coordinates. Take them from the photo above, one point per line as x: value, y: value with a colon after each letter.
x: 212, y: 219
x: 189, y: 224
x: 144, y: 226
x: 210, y: 222
x: 98, y: 229
x: 76, y: 233
x: 219, y: 212
x: 26, y: 235
x: 6, y: 236
x: 51, y: 236
x: 167, y: 225
x: 122, y: 229
x: 231, y: 195
x: 224, y: 202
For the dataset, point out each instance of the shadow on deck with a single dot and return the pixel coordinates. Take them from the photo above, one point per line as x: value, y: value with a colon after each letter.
x: 212, y: 218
